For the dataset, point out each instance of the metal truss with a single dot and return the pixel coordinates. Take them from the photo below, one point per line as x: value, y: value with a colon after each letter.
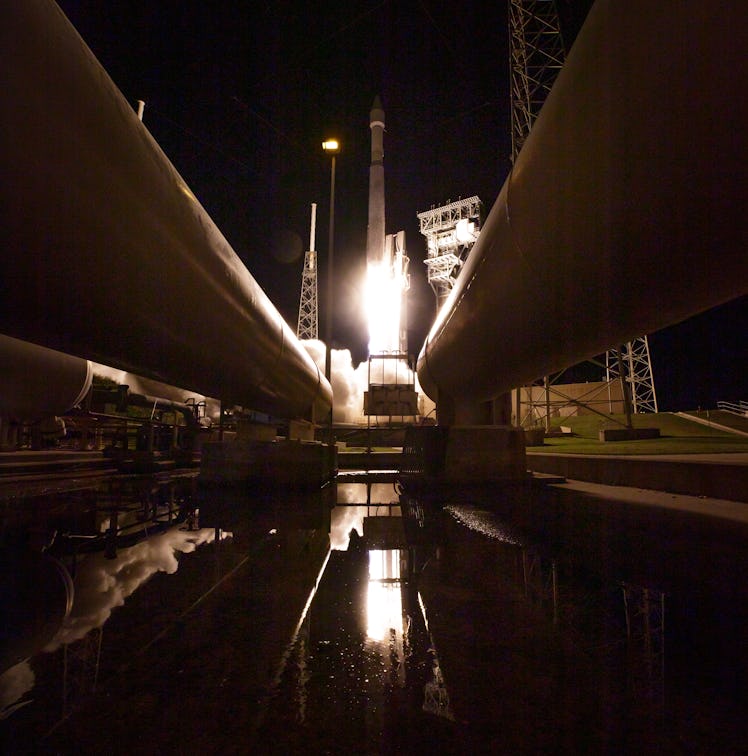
x: 536, y: 56
x: 441, y: 268
x: 435, y: 695
x: 447, y: 216
x: 541, y: 580
x: 448, y: 247
x: 80, y: 669
x: 307, y: 327
x: 645, y: 628
x: 639, y: 377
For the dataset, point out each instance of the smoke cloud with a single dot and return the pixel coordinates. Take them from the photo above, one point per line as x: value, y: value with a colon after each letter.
x: 355, y: 493
x: 349, y: 383
x: 342, y: 521
x: 102, y: 584
x: 349, y: 512
x: 14, y: 684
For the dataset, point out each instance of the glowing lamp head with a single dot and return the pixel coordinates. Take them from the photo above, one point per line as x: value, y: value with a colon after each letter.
x: 465, y: 231
x: 331, y: 145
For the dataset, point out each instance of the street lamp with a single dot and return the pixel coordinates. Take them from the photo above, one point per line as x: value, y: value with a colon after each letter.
x: 331, y: 147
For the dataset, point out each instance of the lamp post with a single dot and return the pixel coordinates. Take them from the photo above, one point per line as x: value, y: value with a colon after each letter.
x: 332, y: 147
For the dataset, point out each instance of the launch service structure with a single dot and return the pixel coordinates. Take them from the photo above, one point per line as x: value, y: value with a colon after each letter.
x: 450, y: 231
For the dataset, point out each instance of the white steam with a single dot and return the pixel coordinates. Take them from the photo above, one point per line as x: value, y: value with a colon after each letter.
x: 102, y: 584
x: 14, y: 684
x: 355, y: 493
x: 342, y: 521
x: 349, y: 383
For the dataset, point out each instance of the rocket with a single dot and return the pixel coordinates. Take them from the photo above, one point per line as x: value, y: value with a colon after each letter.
x: 386, y: 259
x: 375, y: 250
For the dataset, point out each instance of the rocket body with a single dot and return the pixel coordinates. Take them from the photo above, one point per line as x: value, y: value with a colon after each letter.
x: 375, y: 246
x: 386, y: 260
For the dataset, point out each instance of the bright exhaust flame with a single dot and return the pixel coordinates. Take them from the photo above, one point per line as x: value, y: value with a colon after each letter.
x: 384, y: 287
x: 384, y: 608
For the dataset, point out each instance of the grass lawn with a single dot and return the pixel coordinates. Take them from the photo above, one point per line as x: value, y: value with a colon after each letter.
x: 678, y: 436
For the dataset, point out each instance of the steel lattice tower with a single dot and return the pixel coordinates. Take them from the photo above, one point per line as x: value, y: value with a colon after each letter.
x: 307, y: 327
x: 537, y: 54
x: 638, y: 366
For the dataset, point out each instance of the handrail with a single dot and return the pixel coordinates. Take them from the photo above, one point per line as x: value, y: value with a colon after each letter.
x: 737, y: 408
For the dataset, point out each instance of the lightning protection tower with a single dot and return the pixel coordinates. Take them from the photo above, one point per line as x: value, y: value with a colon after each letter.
x: 450, y: 231
x: 537, y: 54
x: 307, y: 327
x: 638, y: 367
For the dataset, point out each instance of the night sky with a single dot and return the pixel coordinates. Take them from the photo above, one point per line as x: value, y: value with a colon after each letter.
x: 241, y: 95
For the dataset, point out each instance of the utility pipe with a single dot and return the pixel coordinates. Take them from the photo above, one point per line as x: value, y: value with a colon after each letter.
x: 107, y: 254
x: 624, y: 213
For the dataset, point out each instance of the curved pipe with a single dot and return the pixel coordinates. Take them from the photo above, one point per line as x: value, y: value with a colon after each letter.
x: 36, y: 381
x: 107, y: 254
x: 36, y: 597
x: 626, y: 208
x: 152, y: 402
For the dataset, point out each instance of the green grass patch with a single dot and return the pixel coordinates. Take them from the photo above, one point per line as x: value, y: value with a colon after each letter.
x: 691, y: 445
x: 721, y: 417
x: 588, y: 426
x: 678, y: 436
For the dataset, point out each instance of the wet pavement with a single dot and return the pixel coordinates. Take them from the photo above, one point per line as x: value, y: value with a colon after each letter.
x: 345, y: 691
x: 554, y: 621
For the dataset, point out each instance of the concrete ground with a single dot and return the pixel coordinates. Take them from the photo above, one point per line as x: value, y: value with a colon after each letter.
x: 718, y: 476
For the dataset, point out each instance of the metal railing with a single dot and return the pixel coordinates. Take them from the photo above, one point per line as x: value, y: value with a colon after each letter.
x: 737, y: 408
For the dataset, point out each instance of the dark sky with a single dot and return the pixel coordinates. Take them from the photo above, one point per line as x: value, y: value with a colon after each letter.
x: 240, y: 96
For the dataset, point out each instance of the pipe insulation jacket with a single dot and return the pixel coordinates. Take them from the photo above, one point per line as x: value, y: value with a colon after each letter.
x: 36, y: 381
x: 625, y: 211
x: 107, y: 254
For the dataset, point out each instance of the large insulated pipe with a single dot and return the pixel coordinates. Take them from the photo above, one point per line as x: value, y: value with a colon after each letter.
x: 36, y: 381
x: 36, y: 597
x: 106, y: 252
x: 625, y: 211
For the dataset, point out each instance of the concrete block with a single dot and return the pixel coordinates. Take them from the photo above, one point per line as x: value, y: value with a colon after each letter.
x: 300, y: 430
x: 627, y: 434
x: 483, y: 453
x: 534, y: 436
x: 250, y: 431
x: 293, y: 464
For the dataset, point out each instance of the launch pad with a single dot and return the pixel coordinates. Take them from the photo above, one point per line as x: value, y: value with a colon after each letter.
x: 387, y: 398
